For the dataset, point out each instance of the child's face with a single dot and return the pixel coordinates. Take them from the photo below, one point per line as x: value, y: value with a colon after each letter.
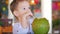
x: 23, y: 8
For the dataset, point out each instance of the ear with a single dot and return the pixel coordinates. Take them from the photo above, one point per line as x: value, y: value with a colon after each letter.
x: 16, y: 13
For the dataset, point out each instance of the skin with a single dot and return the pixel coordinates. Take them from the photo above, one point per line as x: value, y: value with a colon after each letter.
x: 22, y: 13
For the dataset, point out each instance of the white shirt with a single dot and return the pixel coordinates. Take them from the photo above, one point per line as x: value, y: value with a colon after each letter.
x: 18, y: 29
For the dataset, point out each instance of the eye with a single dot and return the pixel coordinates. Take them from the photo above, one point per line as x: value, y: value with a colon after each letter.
x: 24, y: 8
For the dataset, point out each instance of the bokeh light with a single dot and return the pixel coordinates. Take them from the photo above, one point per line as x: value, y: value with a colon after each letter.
x: 4, y: 8
x: 32, y: 2
x: 6, y: 2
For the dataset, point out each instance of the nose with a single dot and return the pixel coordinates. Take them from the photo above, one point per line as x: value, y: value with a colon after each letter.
x: 31, y: 14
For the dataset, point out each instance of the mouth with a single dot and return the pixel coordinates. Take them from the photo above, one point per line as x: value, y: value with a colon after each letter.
x: 30, y: 16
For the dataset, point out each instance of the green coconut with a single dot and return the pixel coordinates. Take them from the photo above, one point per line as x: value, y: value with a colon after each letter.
x: 40, y: 26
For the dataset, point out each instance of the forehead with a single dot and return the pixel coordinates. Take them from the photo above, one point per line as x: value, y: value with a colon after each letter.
x: 23, y: 4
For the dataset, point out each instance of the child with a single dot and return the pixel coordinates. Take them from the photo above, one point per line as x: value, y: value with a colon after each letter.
x: 21, y: 10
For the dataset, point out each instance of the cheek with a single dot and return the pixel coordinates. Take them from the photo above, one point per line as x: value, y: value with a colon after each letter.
x: 23, y: 12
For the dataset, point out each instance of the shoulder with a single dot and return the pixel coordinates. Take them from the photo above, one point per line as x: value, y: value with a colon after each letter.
x: 16, y: 25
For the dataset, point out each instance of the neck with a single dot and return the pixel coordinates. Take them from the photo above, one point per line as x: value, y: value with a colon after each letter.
x: 19, y: 19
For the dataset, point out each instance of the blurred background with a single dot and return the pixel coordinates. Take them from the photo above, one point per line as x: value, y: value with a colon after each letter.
x: 3, y: 9
x: 56, y: 16
x: 5, y: 23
